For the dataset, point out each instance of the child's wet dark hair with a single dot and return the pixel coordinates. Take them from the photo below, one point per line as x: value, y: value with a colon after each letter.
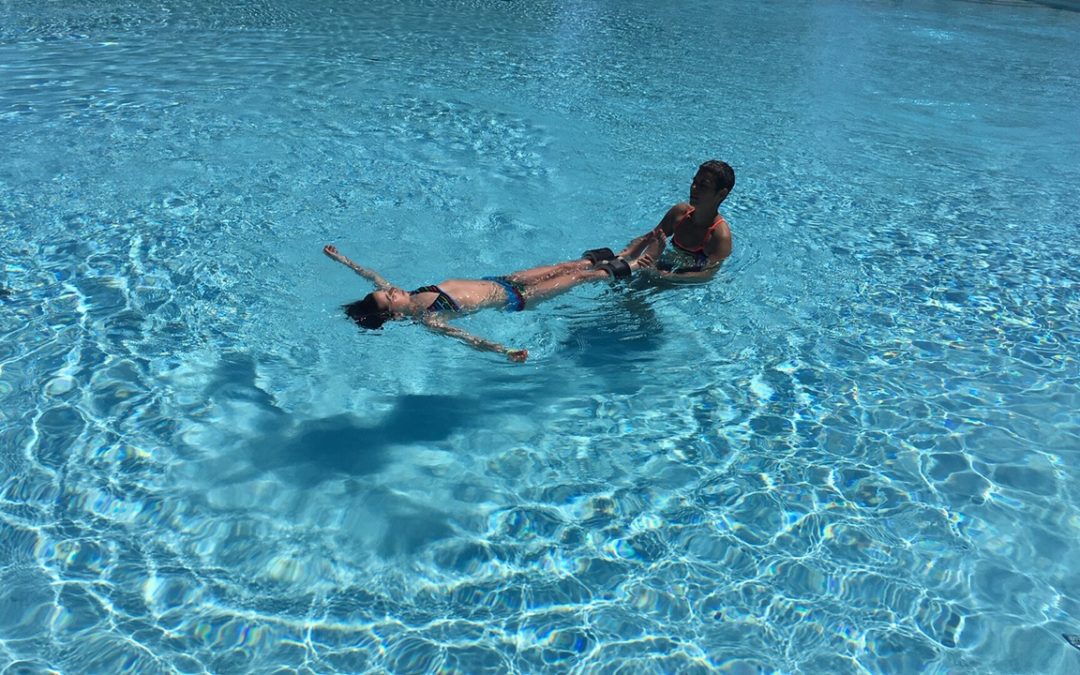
x: 366, y: 312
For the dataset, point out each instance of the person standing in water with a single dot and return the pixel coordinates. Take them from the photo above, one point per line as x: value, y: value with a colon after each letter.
x: 700, y: 238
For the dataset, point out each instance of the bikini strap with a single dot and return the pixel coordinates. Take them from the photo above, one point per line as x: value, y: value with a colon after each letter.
x: 699, y: 249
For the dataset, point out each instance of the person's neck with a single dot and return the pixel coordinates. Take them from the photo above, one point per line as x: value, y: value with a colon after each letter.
x: 703, y: 218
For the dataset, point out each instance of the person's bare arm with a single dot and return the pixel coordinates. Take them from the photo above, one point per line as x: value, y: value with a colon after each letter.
x: 440, y: 326
x: 380, y: 283
x: 654, y: 241
x: 651, y: 243
x: 639, y: 244
x: 673, y: 217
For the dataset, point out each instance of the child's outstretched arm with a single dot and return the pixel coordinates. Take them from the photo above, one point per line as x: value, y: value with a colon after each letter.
x: 440, y: 326
x: 373, y: 276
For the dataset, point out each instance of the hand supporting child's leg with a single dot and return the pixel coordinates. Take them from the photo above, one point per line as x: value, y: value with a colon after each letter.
x: 652, y: 243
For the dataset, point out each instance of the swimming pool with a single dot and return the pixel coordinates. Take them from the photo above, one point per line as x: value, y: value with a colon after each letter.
x: 855, y: 450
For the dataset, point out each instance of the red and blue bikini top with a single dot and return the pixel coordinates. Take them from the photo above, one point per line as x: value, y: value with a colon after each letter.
x: 699, y: 259
x: 700, y: 249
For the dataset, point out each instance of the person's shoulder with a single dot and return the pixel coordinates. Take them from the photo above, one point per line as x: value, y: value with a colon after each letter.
x: 722, y: 227
x: 680, y: 210
x: 718, y: 244
x: 675, y: 215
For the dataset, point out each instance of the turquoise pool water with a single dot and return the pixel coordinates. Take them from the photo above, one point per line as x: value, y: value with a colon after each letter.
x: 854, y: 451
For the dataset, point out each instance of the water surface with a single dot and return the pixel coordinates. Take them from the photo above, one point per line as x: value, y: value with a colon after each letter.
x: 852, y: 451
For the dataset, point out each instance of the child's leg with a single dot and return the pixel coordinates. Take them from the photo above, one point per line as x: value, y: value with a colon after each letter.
x: 562, y: 280
x: 538, y: 274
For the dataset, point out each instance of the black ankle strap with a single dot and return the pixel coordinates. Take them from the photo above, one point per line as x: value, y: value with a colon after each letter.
x: 616, y: 267
x: 595, y: 255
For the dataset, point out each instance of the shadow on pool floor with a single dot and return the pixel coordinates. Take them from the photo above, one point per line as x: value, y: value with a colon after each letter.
x: 343, y: 444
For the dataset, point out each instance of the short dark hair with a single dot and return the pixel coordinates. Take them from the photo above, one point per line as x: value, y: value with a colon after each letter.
x: 721, y: 172
x: 366, y: 312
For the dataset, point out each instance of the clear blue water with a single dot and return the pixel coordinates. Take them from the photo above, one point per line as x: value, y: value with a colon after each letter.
x: 854, y: 451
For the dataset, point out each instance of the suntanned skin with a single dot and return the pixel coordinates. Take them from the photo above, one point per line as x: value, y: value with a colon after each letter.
x: 693, y: 232
x: 539, y: 283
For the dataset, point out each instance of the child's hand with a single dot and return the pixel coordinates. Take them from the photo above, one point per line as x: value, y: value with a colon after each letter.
x: 518, y: 355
